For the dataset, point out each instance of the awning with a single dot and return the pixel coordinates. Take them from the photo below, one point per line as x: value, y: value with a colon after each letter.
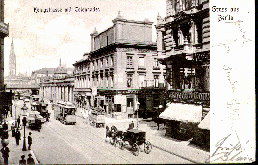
x: 205, y: 123
x: 182, y: 112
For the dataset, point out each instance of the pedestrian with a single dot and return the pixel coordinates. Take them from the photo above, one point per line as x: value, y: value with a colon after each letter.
x: 30, y: 160
x: 17, y: 136
x: 22, y: 161
x: 5, y: 126
x: 5, y: 154
x: 29, y: 141
x: 18, y: 121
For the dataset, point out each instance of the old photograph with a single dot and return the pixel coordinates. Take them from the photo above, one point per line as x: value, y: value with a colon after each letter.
x: 106, y: 82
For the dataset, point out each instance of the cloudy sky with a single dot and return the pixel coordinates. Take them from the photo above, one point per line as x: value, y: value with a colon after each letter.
x: 41, y: 39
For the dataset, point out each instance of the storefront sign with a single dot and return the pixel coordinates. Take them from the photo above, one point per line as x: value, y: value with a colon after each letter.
x: 116, y: 92
x: 190, y: 96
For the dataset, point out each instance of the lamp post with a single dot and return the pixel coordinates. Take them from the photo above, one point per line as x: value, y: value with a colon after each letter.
x: 137, y: 111
x: 15, y: 115
x: 24, y: 121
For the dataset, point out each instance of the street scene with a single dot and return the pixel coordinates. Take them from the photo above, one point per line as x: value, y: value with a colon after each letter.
x: 139, y: 94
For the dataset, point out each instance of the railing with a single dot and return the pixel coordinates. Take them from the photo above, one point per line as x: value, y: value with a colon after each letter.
x: 4, y: 28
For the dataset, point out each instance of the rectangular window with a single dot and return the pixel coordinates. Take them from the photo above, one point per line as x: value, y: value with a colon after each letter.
x: 129, y: 61
x: 130, y: 102
x: 141, y: 62
x: 111, y: 61
x: 156, y: 62
x: 141, y: 80
x: 129, y: 80
x: 156, y: 80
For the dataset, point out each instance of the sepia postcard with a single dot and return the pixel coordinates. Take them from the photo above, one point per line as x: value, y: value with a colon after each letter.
x: 127, y: 81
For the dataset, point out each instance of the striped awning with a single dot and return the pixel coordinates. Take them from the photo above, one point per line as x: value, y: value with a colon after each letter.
x: 205, y: 123
x: 182, y: 112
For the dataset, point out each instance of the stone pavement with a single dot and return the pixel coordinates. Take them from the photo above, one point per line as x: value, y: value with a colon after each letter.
x: 16, y: 150
x: 179, y: 148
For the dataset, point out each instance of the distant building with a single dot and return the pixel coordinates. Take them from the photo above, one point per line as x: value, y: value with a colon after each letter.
x: 122, y: 61
x: 56, y: 84
x: 58, y: 89
x: 12, y: 61
x: 44, y: 74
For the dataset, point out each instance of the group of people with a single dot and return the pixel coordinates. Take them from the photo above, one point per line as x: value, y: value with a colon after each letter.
x: 6, y: 111
x: 30, y: 160
x: 17, y: 134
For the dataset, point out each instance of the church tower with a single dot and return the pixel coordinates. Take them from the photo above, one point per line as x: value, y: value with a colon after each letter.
x: 12, y: 61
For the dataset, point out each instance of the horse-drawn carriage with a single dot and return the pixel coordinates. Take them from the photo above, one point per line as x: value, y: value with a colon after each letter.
x: 134, y: 138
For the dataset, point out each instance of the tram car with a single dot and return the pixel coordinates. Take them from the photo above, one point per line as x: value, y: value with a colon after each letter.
x: 65, y: 112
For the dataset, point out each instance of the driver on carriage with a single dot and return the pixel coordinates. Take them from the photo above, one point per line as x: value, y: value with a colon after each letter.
x: 131, y: 126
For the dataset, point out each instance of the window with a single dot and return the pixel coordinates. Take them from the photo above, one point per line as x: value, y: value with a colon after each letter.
x: 156, y: 62
x: 175, y: 36
x: 111, y: 61
x: 106, y: 61
x: 163, y: 41
x: 129, y: 80
x: 156, y: 80
x: 141, y: 80
x: 141, y: 62
x: 129, y: 61
x: 130, y: 102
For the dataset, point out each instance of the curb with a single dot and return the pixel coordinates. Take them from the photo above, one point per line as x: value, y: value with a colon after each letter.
x: 190, y: 160
x: 34, y: 157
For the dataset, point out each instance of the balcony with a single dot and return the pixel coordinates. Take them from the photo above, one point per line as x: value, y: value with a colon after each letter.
x: 4, y: 29
x: 156, y: 67
x: 141, y: 68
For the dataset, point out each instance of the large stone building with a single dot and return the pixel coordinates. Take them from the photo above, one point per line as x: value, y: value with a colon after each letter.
x: 56, y: 85
x: 58, y: 89
x: 123, y: 60
x: 183, y: 39
x: 5, y: 97
x: 184, y: 43
x: 4, y: 31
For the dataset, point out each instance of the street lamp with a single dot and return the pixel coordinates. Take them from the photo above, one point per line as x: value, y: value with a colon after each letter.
x: 137, y: 110
x: 24, y: 121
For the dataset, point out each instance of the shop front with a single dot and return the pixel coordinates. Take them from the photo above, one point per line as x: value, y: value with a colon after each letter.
x: 83, y: 98
x: 120, y: 104
x: 181, y: 120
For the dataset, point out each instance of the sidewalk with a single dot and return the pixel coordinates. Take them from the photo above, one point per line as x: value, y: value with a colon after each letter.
x: 16, y: 151
x: 179, y: 148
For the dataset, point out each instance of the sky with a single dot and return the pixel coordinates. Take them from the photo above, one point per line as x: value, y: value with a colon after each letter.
x: 42, y: 39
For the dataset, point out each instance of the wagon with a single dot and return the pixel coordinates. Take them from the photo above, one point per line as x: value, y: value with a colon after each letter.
x: 97, y: 118
x: 133, y: 138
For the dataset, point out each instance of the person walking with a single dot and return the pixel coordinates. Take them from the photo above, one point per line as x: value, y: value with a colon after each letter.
x: 17, y: 136
x: 18, y: 122
x: 30, y: 160
x: 29, y: 141
x: 22, y: 161
x: 5, y: 154
x: 5, y: 126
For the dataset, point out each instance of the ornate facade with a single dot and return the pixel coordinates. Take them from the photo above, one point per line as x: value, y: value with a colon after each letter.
x: 184, y: 42
x: 122, y: 61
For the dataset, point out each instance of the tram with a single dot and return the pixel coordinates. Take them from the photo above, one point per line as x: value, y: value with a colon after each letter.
x: 65, y: 112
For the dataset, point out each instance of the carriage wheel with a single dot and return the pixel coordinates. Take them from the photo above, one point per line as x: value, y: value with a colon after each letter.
x: 112, y: 140
x: 147, y: 147
x: 121, y: 144
x: 135, y: 149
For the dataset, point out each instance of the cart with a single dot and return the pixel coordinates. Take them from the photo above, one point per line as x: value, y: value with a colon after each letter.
x: 133, y: 138
x: 97, y: 119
